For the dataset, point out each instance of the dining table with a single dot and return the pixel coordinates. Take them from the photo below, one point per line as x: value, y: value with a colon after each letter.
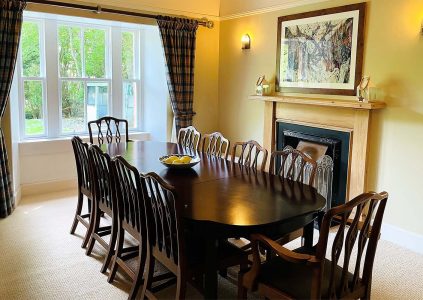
x: 223, y: 199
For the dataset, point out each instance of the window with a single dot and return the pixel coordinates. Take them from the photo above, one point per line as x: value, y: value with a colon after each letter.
x: 92, y: 70
x: 33, y: 79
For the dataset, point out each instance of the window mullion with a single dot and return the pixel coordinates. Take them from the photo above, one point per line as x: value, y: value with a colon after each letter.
x: 116, y: 105
x: 52, y: 79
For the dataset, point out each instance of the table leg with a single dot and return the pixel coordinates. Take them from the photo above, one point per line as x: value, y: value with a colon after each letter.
x: 211, y: 269
x: 308, y: 235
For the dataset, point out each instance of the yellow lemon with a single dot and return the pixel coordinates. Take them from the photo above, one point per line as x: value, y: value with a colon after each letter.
x: 170, y: 159
x: 177, y: 162
x: 185, y: 159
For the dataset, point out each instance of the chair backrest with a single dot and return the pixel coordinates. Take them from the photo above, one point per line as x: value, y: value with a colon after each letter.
x: 164, y: 214
x: 108, y: 130
x: 363, y: 215
x: 80, y: 150
x: 293, y: 164
x: 189, y: 137
x: 130, y: 204
x: 249, y: 154
x: 215, y: 144
x: 100, y: 168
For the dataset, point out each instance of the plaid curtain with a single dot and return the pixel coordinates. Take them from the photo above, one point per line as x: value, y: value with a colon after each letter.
x: 178, y: 37
x: 10, y: 31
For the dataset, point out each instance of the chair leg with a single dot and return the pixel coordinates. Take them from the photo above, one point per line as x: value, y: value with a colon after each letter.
x: 112, y: 243
x: 118, y: 253
x: 181, y: 286
x: 149, y: 272
x: 139, y: 276
x: 96, y: 225
x: 77, y: 212
x: 242, y: 291
x: 91, y: 225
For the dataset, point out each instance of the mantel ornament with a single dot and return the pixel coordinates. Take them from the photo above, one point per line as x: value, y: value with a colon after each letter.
x: 262, y: 86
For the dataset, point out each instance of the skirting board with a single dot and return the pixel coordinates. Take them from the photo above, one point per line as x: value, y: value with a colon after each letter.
x: 48, y: 187
x: 403, y: 238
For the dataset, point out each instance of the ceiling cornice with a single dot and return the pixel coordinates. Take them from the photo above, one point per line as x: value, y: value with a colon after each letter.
x: 286, y: 5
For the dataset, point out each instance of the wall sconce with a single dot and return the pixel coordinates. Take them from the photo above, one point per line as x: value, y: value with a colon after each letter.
x: 246, y: 42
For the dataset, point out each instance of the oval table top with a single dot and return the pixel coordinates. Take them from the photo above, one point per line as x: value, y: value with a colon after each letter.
x: 218, y: 191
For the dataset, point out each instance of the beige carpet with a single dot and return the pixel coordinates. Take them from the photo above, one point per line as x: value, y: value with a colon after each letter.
x: 39, y: 259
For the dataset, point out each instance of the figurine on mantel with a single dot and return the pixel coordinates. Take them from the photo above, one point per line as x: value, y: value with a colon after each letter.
x: 262, y: 87
x: 363, y: 89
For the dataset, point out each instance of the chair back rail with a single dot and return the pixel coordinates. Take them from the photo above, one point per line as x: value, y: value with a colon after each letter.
x: 363, y: 217
x: 80, y: 150
x: 164, y: 215
x: 108, y: 130
x: 189, y: 137
x: 249, y: 154
x: 127, y: 183
x: 293, y: 164
x: 215, y: 144
x: 101, y: 176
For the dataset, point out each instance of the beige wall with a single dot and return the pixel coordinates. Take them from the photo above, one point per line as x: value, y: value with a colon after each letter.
x: 393, y: 59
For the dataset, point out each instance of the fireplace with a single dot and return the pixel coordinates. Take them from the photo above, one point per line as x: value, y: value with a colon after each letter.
x: 330, y: 148
x: 345, y: 115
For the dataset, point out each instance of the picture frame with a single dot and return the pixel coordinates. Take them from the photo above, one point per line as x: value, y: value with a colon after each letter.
x: 321, y: 52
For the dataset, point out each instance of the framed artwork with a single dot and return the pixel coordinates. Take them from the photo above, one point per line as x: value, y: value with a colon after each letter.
x: 321, y: 51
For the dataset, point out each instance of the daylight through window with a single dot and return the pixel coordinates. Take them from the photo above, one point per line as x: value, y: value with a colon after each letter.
x: 92, y: 70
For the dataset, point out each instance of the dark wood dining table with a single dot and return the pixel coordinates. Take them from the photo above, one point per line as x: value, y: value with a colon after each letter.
x: 224, y: 200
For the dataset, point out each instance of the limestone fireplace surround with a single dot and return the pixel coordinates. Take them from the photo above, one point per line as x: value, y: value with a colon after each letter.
x: 346, y: 115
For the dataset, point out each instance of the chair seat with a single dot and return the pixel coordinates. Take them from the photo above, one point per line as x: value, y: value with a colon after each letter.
x: 295, y: 278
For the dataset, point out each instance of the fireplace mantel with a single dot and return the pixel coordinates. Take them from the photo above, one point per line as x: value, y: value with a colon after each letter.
x: 347, y: 103
x: 347, y: 115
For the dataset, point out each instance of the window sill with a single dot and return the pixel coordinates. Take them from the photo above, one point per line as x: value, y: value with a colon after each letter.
x: 45, y: 146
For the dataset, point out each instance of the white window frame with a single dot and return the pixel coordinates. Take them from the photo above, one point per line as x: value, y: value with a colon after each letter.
x: 137, y: 69
x: 52, y: 82
x: 42, y: 78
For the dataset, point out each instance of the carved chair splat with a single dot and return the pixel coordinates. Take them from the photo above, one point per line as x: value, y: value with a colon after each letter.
x: 249, y: 155
x: 189, y: 137
x: 216, y: 144
x: 108, y: 130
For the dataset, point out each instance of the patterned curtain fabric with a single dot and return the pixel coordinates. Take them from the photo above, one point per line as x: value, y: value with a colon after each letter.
x: 178, y: 37
x: 10, y: 32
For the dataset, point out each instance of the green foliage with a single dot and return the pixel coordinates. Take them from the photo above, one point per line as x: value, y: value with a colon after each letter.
x: 95, y: 53
x: 33, y: 93
x: 70, y: 62
x: 34, y: 126
x: 127, y: 55
x: 30, y: 42
x: 73, y: 99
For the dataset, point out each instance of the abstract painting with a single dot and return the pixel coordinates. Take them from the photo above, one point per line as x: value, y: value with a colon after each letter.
x: 321, y: 51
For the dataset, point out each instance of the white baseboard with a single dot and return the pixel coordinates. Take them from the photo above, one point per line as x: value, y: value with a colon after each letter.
x: 403, y: 238
x: 48, y: 187
x: 18, y: 196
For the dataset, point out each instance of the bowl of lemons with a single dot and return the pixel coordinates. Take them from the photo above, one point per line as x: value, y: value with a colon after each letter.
x: 179, y: 161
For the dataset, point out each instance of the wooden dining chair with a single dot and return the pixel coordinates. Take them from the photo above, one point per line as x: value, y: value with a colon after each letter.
x: 80, y: 150
x: 108, y: 130
x: 297, y: 166
x: 189, y: 137
x: 249, y: 153
x: 293, y: 164
x: 166, y: 241
x: 215, y: 144
x: 306, y: 274
x: 131, y: 220
x: 104, y: 204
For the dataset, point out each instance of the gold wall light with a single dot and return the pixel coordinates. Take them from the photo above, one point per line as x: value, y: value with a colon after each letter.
x: 246, y: 42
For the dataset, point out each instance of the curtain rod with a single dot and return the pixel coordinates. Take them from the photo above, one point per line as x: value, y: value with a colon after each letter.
x: 98, y: 9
